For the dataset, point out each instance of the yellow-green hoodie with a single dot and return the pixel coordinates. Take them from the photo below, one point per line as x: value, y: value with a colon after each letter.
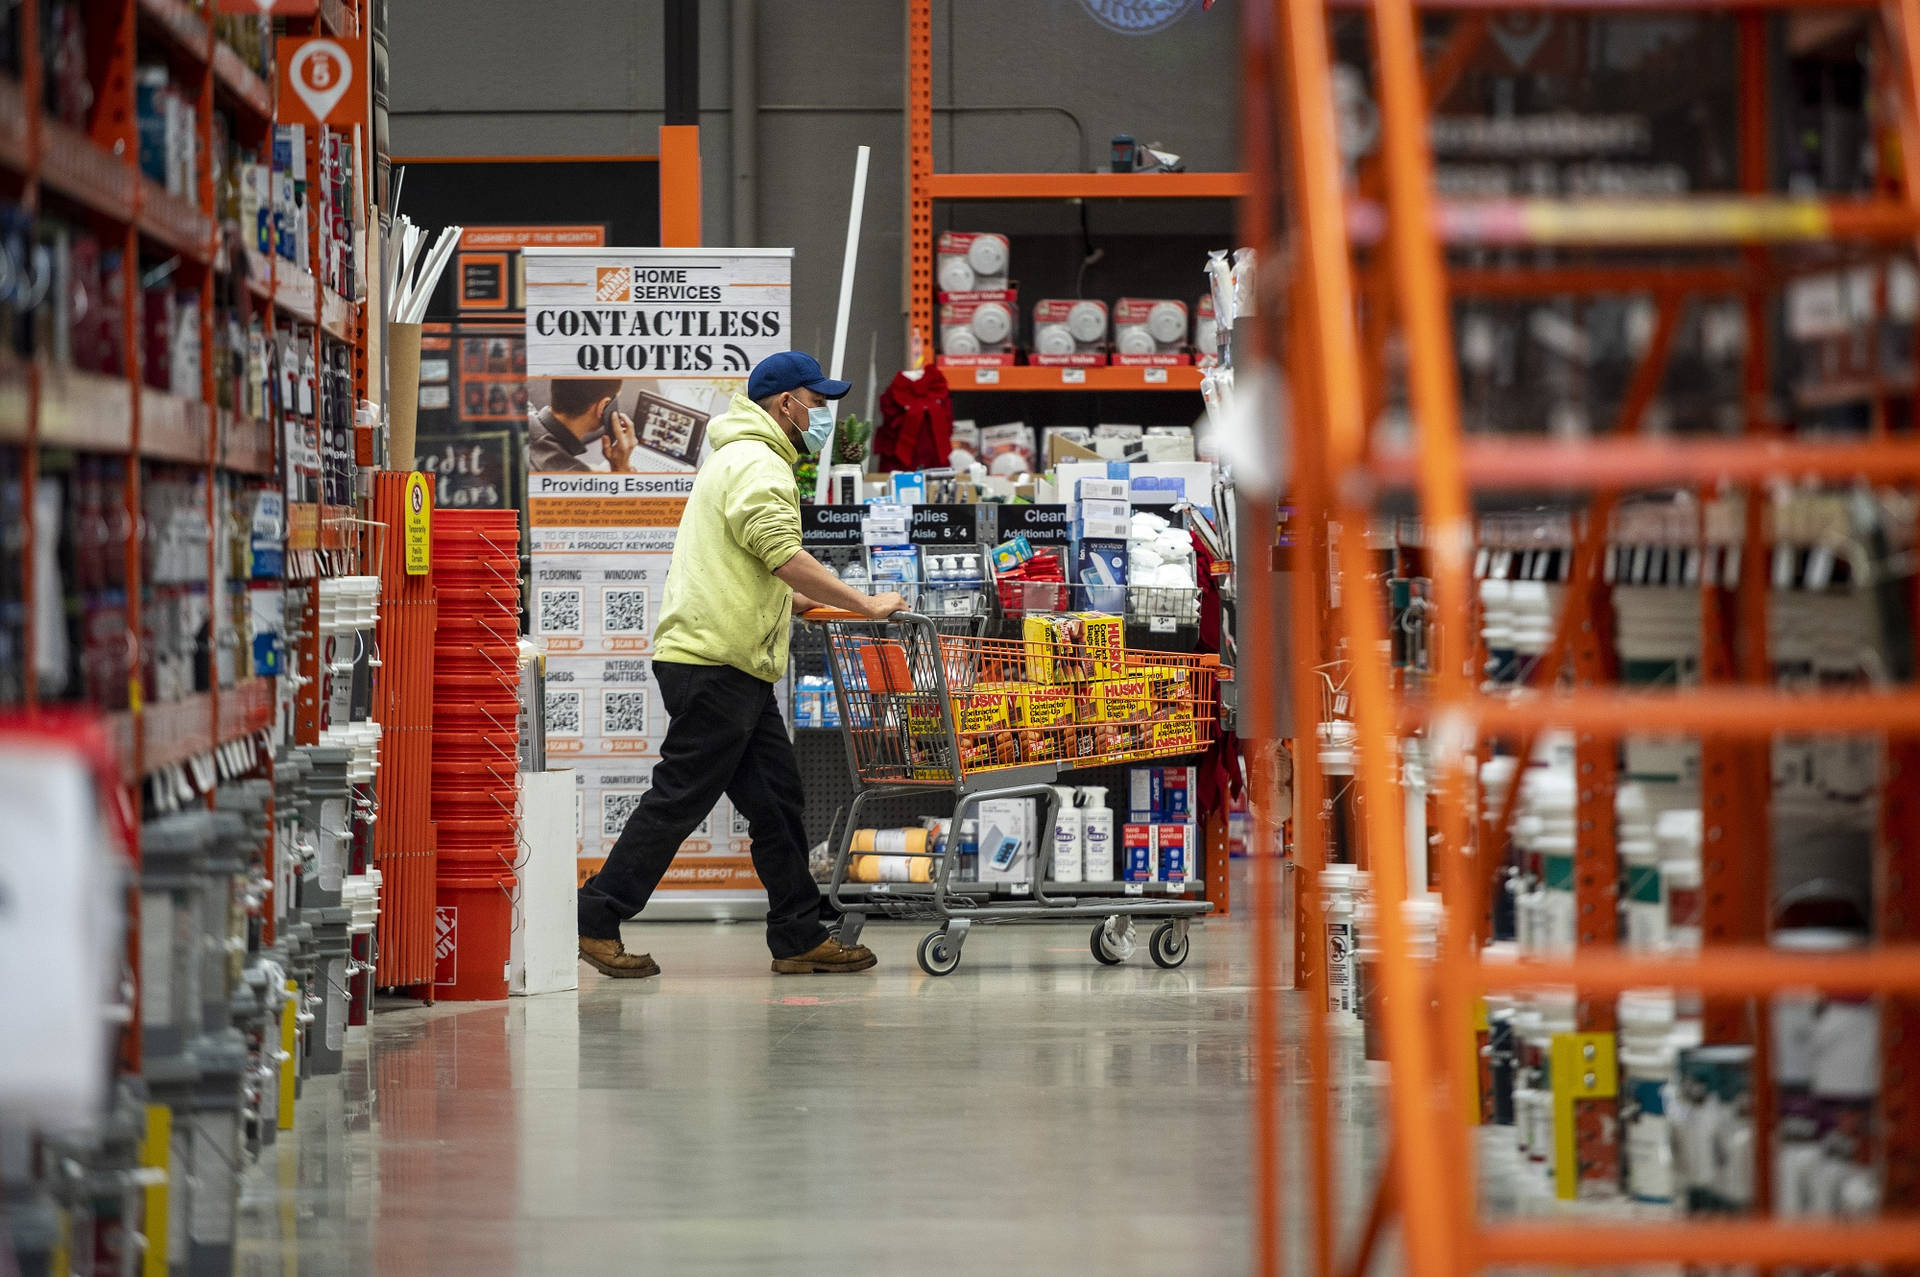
x: 723, y: 604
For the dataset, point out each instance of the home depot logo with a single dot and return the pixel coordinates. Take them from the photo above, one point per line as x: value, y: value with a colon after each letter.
x: 446, y: 945
x: 612, y: 284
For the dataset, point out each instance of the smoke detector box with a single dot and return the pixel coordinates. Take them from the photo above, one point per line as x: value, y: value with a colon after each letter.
x: 969, y: 262
x: 1150, y: 331
x: 980, y: 329
x: 1069, y: 333
x: 1206, y: 332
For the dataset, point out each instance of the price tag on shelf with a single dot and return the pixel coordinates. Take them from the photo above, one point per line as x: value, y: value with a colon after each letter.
x: 1135, y: 888
x: 1073, y: 376
x: 986, y: 376
x: 1160, y: 625
x: 882, y: 888
x: 1022, y: 888
x: 1154, y: 376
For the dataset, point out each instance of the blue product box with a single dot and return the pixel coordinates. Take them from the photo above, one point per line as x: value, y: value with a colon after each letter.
x: 1174, y: 845
x: 1162, y: 794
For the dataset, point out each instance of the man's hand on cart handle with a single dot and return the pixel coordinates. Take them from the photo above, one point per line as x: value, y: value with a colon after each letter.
x: 815, y: 582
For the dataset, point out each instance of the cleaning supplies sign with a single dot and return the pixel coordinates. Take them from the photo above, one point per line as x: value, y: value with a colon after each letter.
x: 630, y: 352
x: 681, y: 312
x: 419, y: 526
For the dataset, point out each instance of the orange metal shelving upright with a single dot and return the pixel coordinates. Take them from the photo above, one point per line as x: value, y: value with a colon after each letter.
x: 1324, y: 317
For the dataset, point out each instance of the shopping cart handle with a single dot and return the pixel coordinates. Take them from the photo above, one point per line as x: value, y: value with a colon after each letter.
x: 820, y: 615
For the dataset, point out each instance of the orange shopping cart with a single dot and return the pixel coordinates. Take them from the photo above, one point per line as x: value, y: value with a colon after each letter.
x: 1003, y: 718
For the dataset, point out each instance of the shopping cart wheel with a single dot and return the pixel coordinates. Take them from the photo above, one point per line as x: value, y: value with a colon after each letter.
x: 939, y: 955
x: 1112, y: 941
x: 1168, y: 945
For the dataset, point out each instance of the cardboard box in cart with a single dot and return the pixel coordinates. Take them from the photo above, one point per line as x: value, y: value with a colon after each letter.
x: 1006, y: 839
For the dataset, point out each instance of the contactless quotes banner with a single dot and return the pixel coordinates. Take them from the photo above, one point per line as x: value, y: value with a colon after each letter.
x: 663, y: 338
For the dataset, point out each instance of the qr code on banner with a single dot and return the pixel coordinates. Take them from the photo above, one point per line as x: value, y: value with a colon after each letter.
x: 563, y: 713
x: 616, y: 808
x: 559, y: 611
x: 624, y: 612
x: 623, y: 713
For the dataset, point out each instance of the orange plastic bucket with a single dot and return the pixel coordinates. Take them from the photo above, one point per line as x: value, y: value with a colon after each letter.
x: 472, y: 935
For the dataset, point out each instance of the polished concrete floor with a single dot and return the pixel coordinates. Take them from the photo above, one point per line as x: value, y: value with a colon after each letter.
x: 1031, y: 1113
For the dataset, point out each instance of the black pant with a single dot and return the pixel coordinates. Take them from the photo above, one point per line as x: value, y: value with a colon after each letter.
x: 725, y: 737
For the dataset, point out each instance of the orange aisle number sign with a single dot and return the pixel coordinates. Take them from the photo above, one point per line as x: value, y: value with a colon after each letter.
x: 419, y: 525
x: 322, y: 81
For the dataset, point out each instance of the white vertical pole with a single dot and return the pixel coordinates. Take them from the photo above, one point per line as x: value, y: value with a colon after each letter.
x: 839, y: 359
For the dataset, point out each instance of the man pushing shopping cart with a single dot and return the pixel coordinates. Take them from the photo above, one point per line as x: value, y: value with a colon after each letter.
x: 738, y: 576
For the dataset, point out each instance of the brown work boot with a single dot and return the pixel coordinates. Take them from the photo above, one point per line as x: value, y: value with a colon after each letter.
x: 827, y: 956
x: 610, y: 957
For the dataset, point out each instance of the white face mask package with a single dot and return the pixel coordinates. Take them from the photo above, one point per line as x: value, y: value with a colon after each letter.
x: 970, y: 261
x: 1068, y: 333
x: 1150, y: 331
x: 980, y: 330
x: 1008, y: 448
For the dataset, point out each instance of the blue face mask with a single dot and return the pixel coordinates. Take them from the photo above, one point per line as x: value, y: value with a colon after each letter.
x: 819, y: 428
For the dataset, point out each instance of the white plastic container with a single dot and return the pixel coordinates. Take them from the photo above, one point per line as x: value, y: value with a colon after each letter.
x: 1642, y: 902
x: 1340, y: 888
x: 1096, y: 823
x: 1649, y: 1065
x: 1069, y: 829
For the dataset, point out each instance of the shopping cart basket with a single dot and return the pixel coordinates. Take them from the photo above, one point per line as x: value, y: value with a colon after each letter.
x: 1003, y: 718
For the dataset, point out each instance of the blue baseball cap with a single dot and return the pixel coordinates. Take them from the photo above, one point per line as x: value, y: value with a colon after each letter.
x: 792, y: 370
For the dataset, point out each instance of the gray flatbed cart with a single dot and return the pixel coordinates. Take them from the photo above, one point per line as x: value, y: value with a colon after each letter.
x: 898, y: 683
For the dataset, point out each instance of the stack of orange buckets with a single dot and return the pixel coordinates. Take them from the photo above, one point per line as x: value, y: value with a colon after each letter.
x: 476, y: 748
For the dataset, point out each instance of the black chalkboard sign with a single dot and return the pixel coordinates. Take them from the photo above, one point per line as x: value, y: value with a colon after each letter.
x: 1039, y: 524
x: 945, y: 525
x: 472, y: 469
x: 830, y: 525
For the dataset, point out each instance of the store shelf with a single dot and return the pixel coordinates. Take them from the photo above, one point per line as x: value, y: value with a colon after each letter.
x: 85, y: 410
x: 246, y: 445
x: 91, y: 175
x: 1841, y: 392
x: 1091, y: 186
x: 1183, y: 377
x: 245, y: 708
x: 336, y: 315
x: 173, y: 428
x: 174, y: 732
x: 174, y: 222
x: 1699, y: 221
x: 13, y: 124
x: 1508, y: 464
x: 259, y: 271
x: 184, y: 28
x: 295, y: 291
x: 241, y: 83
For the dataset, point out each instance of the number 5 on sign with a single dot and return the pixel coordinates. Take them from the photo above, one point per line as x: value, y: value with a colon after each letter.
x: 322, y: 81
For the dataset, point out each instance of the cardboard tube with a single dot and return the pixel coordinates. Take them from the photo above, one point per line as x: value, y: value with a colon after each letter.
x: 403, y: 392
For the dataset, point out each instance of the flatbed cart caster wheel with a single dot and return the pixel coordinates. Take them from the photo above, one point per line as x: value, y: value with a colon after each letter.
x: 939, y: 955
x: 1112, y: 941
x: 1168, y: 945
